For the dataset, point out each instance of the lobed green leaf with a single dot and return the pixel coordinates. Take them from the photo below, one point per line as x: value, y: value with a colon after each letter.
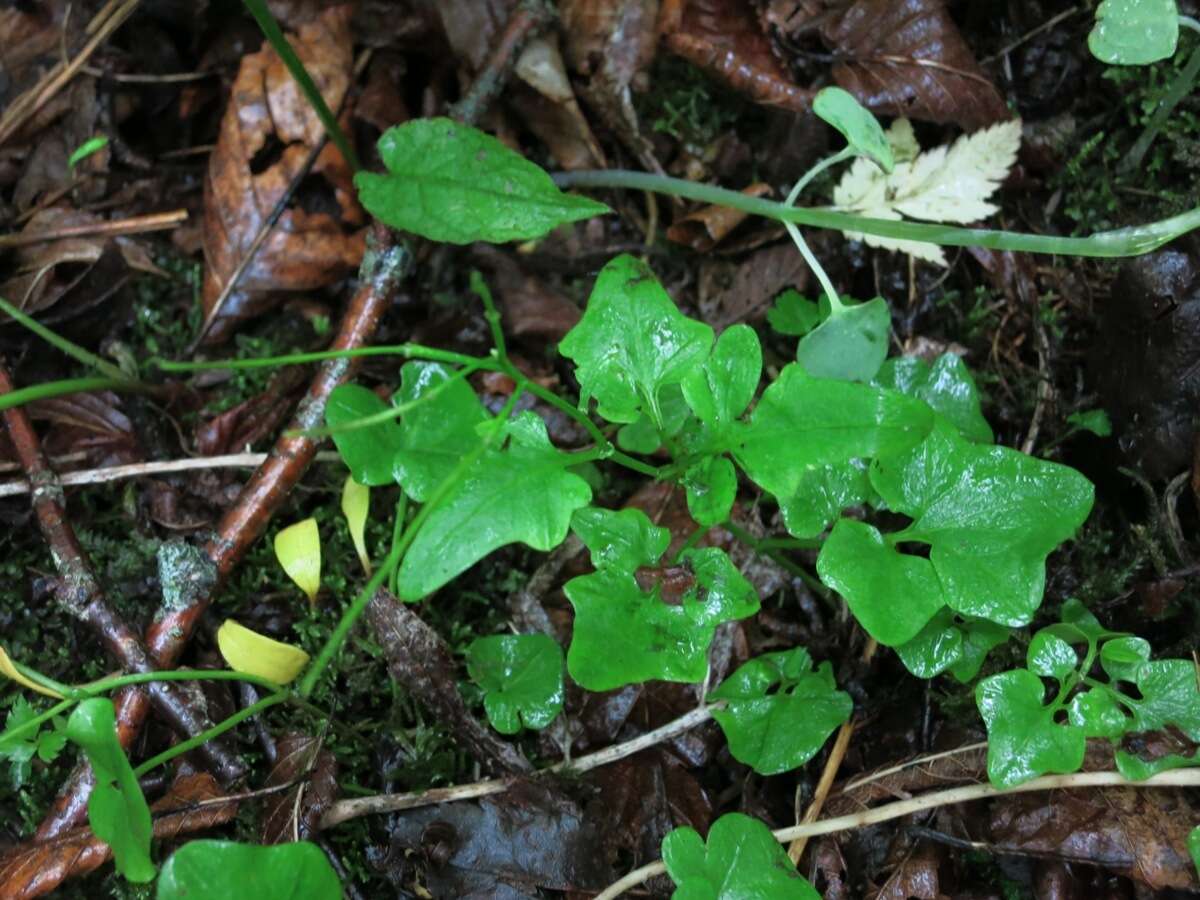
x: 522, y: 679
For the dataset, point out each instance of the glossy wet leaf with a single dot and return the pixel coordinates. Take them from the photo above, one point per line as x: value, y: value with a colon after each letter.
x: 1169, y: 696
x: 220, y: 870
x: 643, y: 436
x: 711, y: 486
x: 117, y: 811
x: 298, y: 549
x: 991, y: 515
x: 368, y: 451
x: 821, y: 495
x: 10, y: 671
x: 860, y: 129
x: 850, y: 345
x: 802, y: 422
x: 742, y: 861
x: 1123, y: 657
x: 793, y: 314
x: 624, y: 635
x: 1098, y: 713
x: 453, y: 183
x: 632, y: 342
x: 522, y: 493
x: 245, y: 650
x: 356, y: 505
x: 1050, y: 656
x: 1077, y: 625
x: 947, y: 386
x: 892, y: 595
x: 620, y: 540
x: 1024, y: 741
x: 522, y: 679
x: 1134, y: 32
x: 437, y: 432
x: 719, y: 391
x: 779, y: 712
x: 953, y: 643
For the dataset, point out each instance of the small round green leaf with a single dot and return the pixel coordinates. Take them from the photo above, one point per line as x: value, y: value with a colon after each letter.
x: 1050, y: 656
x: 1134, y: 32
x: 861, y: 130
x: 453, y: 183
x: 220, y: 870
x: 850, y: 345
x: 793, y: 314
x: 522, y: 677
x: 1123, y: 657
x: 711, y: 486
x: 742, y: 861
x: 368, y: 451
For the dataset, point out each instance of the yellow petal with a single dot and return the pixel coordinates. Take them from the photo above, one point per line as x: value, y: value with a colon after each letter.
x: 7, y: 667
x: 298, y: 549
x: 356, y: 502
x: 256, y: 654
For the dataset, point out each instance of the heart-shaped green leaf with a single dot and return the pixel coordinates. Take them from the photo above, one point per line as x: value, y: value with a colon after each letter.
x: 117, y: 811
x: 850, y: 345
x: 779, y: 712
x: 742, y: 861
x: 719, y: 391
x: 220, y: 870
x: 450, y: 182
x: 954, y: 643
x: 1024, y: 740
x: 368, y: 451
x: 793, y: 315
x: 632, y: 342
x: 522, y: 677
x: 711, y: 486
x: 1134, y: 32
x: 622, y: 541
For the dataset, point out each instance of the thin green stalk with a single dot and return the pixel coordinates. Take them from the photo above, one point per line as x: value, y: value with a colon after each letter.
x: 1131, y: 241
x: 1180, y: 88
x: 1189, y: 22
x: 778, y: 558
x: 397, y: 531
x: 89, y: 359
x: 407, y: 351
x: 274, y: 35
x: 208, y: 734
x: 479, y: 286
x: 835, y: 302
x: 829, y: 161
x: 353, y: 612
x: 50, y: 389
x: 32, y: 725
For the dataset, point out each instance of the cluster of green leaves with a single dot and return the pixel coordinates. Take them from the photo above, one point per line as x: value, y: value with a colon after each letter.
x: 1128, y: 693
x: 19, y: 748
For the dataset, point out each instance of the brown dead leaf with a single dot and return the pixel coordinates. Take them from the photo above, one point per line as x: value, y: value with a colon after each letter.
x: 33, y: 869
x: 913, y: 876
x: 1139, y: 833
x: 295, y: 814
x: 902, y: 58
x: 708, y: 226
x: 266, y: 134
x: 745, y: 293
x: 550, y: 110
x: 239, y: 428
x: 530, y: 307
x: 91, y: 422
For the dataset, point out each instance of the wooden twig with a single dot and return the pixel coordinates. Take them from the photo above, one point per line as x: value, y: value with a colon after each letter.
x: 161, y: 221
x: 80, y: 595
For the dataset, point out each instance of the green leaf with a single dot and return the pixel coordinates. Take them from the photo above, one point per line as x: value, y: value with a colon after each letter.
x: 643, y: 436
x: 1050, y: 656
x: 1137, y: 769
x: 742, y: 861
x: 1194, y: 846
x: 117, y: 811
x: 821, y: 495
x: 793, y: 314
x: 450, y: 182
x: 1134, y: 32
x: 850, y: 345
x: 86, y: 149
x: 1122, y: 657
x: 947, y: 386
x: 624, y: 635
x: 219, y: 870
x: 367, y: 451
x: 1079, y: 626
x: 949, y: 642
x: 802, y: 422
x: 711, y: 486
x: 892, y: 595
x: 860, y: 129
x: 1169, y: 697
x: 437, y: 433
x: 1024, y: 741
x: 632, y: 342
x: 1094, y: 420
x: 780, y: 712
x: 43, y: 743
x: 719, y: 391
x: 521, y: 493
x: 622, y: 541
x: 1099, y: 715
x: 522, y: 676
x: 991, y: 515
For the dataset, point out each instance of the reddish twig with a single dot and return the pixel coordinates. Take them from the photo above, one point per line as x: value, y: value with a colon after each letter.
x: 201, y: 573
x: 80, y: 595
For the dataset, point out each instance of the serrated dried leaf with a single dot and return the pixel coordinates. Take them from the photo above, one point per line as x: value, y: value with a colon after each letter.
x: 951, y: 183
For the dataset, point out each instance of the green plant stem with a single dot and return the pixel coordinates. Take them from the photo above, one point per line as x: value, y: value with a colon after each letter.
x: 479, y: 286
x: 216, y: 731
x: 89, y: 359
x: 1180, y: 88
x: 353, y: 612
x: 407, y: 351
x: 828, y: 162
x: 274, y: 35
x: 754, y: 544
x: 397, y: 530
x: 32, y: 725
x: 50, y: 389
x: 835, y: 302
x: 1189, y: 22
x: 1121, y: 242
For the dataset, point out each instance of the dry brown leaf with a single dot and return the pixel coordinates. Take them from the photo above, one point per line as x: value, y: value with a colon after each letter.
x: 529, y: 306
x: 91, y: 422
x: 33, y: 869
x: 914, y: 876
x: 237, y: 429
x: 708, y: 226
x: 266, y: 134
x: 295, y: 814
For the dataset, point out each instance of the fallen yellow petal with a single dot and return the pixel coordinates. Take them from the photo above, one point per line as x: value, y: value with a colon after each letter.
x: 256, y: 654
x: 7, y: 667
x: 298, y: 549
x: 356, y: 502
